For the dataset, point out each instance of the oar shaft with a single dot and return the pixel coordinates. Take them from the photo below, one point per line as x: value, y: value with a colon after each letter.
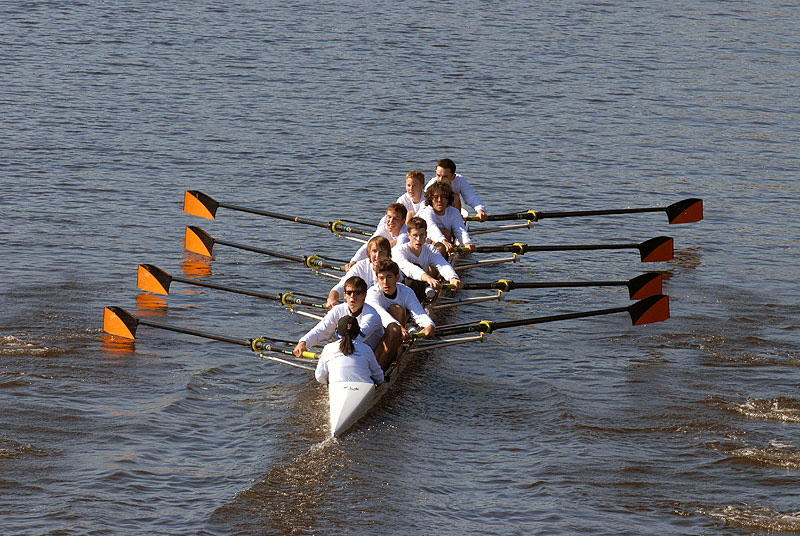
x: 607, y: 212
x: 194, y: 332
x: 296, y: 219
x: 524, y: 248
x: 509, y: 285
x: 310, y: 261
x: 274, y: 297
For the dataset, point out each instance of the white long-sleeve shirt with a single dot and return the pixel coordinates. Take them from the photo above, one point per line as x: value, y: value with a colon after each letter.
x: 381, y: 230
x: 414, y: 266
x: 369, y: 321
x: 461, y: 187
x: 360, y: 366
x: 409, y: 203
x: 451, y: 220
x: 405, y: 298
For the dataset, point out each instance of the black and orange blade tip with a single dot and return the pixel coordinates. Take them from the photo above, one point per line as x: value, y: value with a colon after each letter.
x: 198, y: 241
x: 153, y: 279
x: 657, y: 249
x: 199, y: 204
x: 117, y: 321
x: 645, y: 285
x: 649, y: 310
x: 686, y: 211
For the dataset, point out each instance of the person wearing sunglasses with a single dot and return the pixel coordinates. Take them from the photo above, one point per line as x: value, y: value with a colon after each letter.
x: 369, y: 321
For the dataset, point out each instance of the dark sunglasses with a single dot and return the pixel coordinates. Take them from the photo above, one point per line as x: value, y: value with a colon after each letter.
x: 353, y: 292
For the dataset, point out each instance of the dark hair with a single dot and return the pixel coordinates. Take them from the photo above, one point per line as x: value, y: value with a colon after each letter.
x: 417, y: 224
x: 356, y: 283
x: 388, y: 265
x: 447, y: 164
x: 348, y: 329
x: 398, y: 207
x: 441, y: 188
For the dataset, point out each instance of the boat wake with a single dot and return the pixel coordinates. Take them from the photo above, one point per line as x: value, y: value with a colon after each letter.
x: 754, y: 517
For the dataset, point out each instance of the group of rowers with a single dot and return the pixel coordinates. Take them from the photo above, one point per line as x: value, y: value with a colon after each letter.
x: 409, y: 245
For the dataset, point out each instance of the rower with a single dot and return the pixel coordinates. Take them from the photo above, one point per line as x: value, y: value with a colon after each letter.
x: 395, y: 302
x: 445, y: 223
x: 378, y: 248
x: 348, y: 359
x: 414, y: 197
x: 421, y: 262
x: 369, y: 320
x: 446, y: 172
x: 392, y: 227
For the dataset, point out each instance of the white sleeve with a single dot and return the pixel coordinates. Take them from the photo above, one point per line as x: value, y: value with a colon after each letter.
x: 321, y: 373
x: 374, y: 300
x: 324, y: 327
x: 400, y: 256
x: 469, y: 195
x: 445, y: 268
x: 419, y: 315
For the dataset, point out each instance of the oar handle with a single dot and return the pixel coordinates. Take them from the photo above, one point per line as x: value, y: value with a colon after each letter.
x: 264, y: 344
x: 530, y: 215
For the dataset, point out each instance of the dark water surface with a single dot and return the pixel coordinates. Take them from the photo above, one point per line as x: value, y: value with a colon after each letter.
x: 110, y: 111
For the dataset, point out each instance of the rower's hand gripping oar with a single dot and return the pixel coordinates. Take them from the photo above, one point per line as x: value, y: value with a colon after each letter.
x: 686, y: 211
x: 200, y: 242
x: 119, y: 322
x: 655, y: 249
x: 153, y: 279
x: 199, y: 204
x: 646, y: 311
x: 641, y: 286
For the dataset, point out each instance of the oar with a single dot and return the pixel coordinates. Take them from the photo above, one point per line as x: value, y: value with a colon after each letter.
x: 639, y: 287
x: 651, y: 309
x: 656, y: 249
x: 154, y: 279
x: 203, y: 205
x: 117, y: 321
x: 199, y: 241
x: 686, y: 211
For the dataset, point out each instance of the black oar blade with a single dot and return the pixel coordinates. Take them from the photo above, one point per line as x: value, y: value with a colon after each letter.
x: 686, y: 211
x: 649, y: 310
x: 153, y: 279
x: 656, y: 249
x: 198, y: 241
x: 644, y: 285
x: 118, y: 321
x: 199, y: 204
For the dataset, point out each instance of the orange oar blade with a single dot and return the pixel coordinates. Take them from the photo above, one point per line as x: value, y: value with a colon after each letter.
x: 656, y: 249
x: 649, y: 310
x: 153, y: 279
x: 118, y: 321
x: 686, y: 211
x: 644, y: 285
x: 199, y: 204
x: 199, y: 241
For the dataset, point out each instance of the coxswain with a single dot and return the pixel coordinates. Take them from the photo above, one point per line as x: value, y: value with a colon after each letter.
x: 348, y: 359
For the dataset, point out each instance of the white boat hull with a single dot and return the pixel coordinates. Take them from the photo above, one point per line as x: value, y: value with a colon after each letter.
x: 349, y: 401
